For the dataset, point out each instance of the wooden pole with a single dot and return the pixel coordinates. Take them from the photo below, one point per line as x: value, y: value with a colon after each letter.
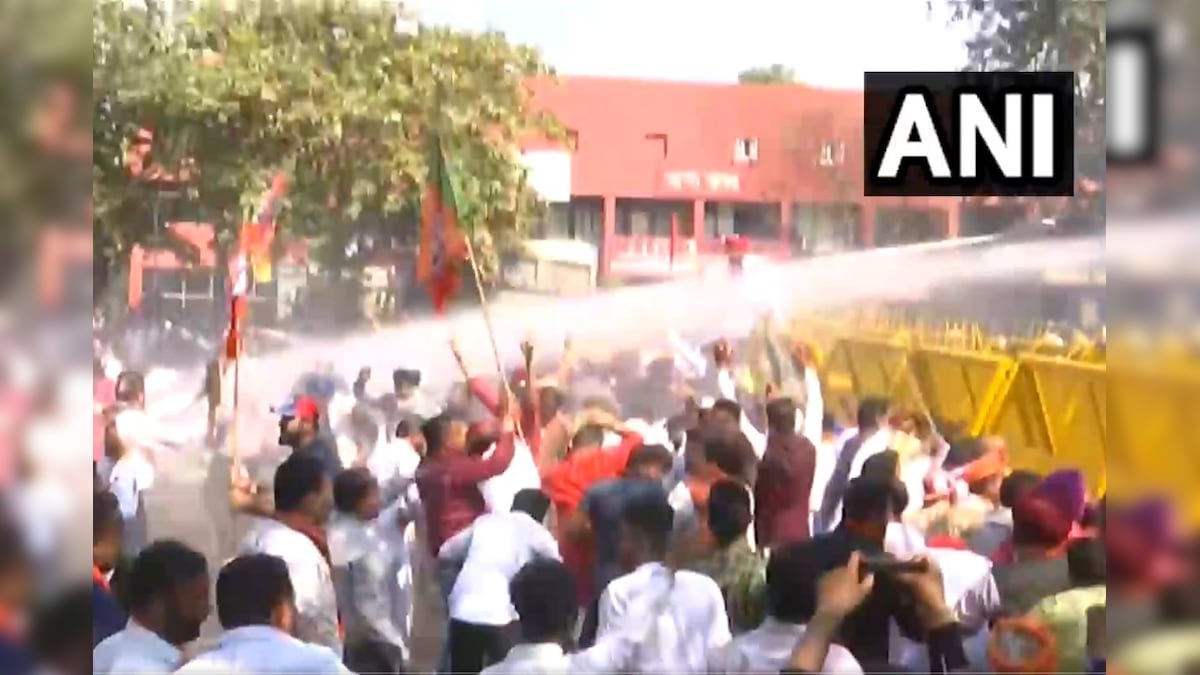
x: 234, y: 449
x: 487, y: 315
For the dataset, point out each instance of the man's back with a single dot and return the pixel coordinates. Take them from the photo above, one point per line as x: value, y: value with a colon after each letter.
x: 681, y: 615
x: 265, y: 650
x: 832, y: 503
x: 785, y: 480
x: 603, y: 504
x: 311, y: 577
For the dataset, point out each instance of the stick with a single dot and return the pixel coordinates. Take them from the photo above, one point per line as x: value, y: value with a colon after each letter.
x: 487, y: 322
x: 487, y: 316
x: 234, y: 450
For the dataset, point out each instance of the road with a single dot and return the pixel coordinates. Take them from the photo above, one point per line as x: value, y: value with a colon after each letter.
x: 189, y: 502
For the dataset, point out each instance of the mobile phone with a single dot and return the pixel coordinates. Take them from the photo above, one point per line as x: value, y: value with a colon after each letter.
x: 890, y: 564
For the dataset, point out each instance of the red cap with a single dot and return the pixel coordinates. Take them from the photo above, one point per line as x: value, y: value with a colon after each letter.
x: 307, y: 408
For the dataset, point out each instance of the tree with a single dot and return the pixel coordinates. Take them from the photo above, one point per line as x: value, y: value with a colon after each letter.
x: 1047, y: 35
x: 43, y: 122
x: 773, y: 74
x: 326, y: 91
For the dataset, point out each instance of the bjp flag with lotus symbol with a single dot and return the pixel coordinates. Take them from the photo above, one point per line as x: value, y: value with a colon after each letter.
x: 443, y: 247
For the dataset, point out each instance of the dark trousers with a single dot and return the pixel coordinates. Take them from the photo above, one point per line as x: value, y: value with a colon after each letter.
x: 474, y: 647
x: 375, y: 658
x: 591, y: 625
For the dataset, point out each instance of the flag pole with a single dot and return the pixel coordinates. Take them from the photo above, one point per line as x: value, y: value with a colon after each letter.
x: 487, y: 314
x: 234, y: 448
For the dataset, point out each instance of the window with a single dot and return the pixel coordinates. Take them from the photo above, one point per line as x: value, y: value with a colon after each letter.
x: 745, y: 151
x: 833, y: 153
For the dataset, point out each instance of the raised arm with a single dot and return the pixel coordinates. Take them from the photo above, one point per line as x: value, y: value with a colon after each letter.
x: 690, y: 356
x: 813, y: 422
x: 728, y: 389
x: 478, y: 469
x: 479, y: 387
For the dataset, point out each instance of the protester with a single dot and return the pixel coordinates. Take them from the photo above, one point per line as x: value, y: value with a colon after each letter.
x: 682, y: 611
x: 870, y: 437
x: 686, y: 529
x: 303, y: 501
x: 448, y: 478
x: 792, y: 601
x: 168, y: 596
x: 600, y: 515
x: 740, y: 572
x: 544, y: 599
x: 1043, y: 521
x: 488, y: 555
x: 785, y: 479
x: 1065, y: 613
x: 129, y: 470
x: 996, y: 529
x: 257, y: 610
x: 107, y: 616
x: 588, y: 463
x: 371, y: 575
x: 300, y: 429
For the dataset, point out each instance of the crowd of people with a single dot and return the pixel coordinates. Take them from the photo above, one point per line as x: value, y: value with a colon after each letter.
x: 641, y: 514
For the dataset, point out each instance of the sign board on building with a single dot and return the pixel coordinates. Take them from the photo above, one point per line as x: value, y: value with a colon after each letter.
x: 710, y: 182
x: 549, y: 174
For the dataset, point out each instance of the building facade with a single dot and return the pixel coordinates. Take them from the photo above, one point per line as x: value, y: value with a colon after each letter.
x: 778, y: 165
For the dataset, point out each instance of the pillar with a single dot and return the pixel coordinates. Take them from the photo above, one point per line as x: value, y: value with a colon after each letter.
x: 866, y: 227
x: 137, y: 263
x: 609, y: 231
x: 953, y: 220
x: 785, y: 223
x: 698, y: 221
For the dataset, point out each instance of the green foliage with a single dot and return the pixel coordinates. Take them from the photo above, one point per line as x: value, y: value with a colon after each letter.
x: 773, y: 74
x: 1046, y: 35
x: 44, y: 77
x: 329, y: 92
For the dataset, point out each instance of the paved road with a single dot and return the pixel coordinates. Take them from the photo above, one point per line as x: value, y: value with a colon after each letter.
x: 189, y: 503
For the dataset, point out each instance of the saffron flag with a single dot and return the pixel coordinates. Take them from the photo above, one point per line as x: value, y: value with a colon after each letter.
x: 443, y: 247
x: 233, y: 336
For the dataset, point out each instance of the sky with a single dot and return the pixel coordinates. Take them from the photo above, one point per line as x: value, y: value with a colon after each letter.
x: 828, y: 43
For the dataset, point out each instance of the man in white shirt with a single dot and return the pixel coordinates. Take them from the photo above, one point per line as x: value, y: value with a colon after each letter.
x: 257, y: 609
x: 129, y: 465
x: 791, y: 603
x: 303, y: 501
x: 871, y: 438
x: 543, y: 594
x: 491, y: 551
x: 679, y: 615
x: 372, y: 574
x: 168, y: 596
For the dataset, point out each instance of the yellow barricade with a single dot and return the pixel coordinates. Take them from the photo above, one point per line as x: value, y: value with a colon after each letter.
x: 1154, y: 444
x: 1050, y: 403
x: 959, y: 386
x: 1053, y: 416
x: 858, y: 368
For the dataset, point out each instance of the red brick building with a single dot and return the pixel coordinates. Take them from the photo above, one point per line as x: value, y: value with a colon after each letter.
x: 780, y: 165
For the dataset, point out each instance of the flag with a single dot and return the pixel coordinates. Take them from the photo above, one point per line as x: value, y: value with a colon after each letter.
x: 442, y: 245
x: 233, y: 335
x: 256, y: 237
x: 239, y: 275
